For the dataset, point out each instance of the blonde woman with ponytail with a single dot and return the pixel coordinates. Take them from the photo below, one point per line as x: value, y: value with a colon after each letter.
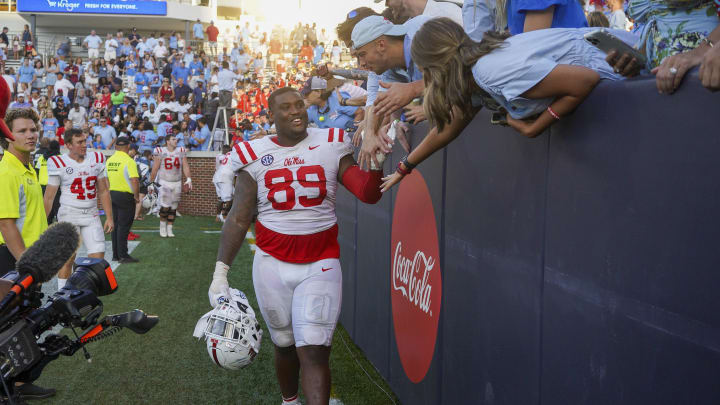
x: 537, y: 77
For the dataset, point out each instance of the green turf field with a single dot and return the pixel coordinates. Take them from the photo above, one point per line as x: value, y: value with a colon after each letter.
x: 169, y: 366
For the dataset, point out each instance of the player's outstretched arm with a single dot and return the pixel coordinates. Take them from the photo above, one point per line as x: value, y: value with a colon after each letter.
x: 233, y: 232
x: 364, y: 185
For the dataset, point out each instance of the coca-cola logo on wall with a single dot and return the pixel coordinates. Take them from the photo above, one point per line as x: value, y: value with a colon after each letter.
x: 415, y: 281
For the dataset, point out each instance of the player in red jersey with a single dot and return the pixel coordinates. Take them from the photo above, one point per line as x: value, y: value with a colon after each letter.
x: 292, y: 179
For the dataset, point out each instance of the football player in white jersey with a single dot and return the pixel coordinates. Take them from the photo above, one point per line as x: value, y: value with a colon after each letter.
x: 82, y: 181
x: 223, y: 181
x: 291, y: 179
x: 169, y: 164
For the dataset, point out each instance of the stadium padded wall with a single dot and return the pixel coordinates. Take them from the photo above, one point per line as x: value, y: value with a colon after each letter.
x: 579, y: 267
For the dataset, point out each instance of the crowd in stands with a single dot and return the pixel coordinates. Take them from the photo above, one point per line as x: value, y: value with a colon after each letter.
x: 148, y: 87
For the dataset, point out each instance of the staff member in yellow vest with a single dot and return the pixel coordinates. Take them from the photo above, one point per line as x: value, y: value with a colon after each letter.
x: 22, y: 214
x: 124, y: 193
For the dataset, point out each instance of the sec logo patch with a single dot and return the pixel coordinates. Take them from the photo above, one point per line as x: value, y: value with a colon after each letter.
x: 267, y: 160
x: 69, y: 170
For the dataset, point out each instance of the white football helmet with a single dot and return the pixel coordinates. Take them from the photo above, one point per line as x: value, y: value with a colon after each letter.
x: 149, y: 200
x: 231, y: 331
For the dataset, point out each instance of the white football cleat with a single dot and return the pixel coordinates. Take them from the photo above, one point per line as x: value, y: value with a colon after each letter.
x: 163, y: 229
x: 170, y: 233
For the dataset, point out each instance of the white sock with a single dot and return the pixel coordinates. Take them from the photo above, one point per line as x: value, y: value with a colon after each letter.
x: 291, y: 401
x: 163, y: 224
x: 61, y: 282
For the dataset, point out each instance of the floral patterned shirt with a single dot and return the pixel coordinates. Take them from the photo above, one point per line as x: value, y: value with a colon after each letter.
x: 671, y: 27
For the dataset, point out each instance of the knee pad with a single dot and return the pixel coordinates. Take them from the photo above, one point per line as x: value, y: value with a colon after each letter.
x: 164, y: 213
x: 278, y: 322
x: 282, y: 338
x: 171, y: 215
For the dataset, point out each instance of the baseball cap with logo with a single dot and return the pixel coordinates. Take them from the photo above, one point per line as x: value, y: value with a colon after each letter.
x: 373, y: 27
x: 318, y: 83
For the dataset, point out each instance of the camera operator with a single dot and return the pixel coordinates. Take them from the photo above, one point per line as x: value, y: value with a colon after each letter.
x: 22, y: 215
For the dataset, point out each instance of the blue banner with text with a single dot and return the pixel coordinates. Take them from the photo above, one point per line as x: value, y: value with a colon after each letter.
x: 137, y: 7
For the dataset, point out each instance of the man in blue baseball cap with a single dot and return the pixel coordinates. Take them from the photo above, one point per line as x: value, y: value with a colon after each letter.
x: 384, y: 49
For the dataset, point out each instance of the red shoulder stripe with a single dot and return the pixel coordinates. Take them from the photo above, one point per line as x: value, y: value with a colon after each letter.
x: 97, y: 158
x: 250, y: 150
x: 239, y: 152
x: 341, y: 135
x: 102, y: 157
x: 61, y: 161
x: 52, y: 159
x: 331, y: 134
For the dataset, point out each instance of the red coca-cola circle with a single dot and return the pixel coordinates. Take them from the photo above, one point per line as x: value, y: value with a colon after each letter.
x: 415, y: 279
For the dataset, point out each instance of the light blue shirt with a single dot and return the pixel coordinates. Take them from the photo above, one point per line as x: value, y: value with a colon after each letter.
x: 198, y: 30
x: 146, y: 139
x: 181, y: 72
x: 188, y: 58
x: 413, y: 25
x: 164, y: 129
x: 141, y: 48
x: 333, y: 115
x: 196, y: 68
x: 25, y: 74
x: 203, y: 134
x: 125, y: 49
x: 107, y: 134
x: 93, y: 41
x: 149, y: 100
x: 478, y: 18
x: 151, y: 43
x: 526, y: 59
x: 226, y: 80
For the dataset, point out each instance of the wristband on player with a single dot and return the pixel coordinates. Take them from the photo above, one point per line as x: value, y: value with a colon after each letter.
x: 221, y: 269
x: 188, y: 181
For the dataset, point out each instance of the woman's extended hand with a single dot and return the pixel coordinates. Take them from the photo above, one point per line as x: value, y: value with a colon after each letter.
x: 671, y: 71
x: 710, y: 69
x: 390, y: 180
x: 522, y: 126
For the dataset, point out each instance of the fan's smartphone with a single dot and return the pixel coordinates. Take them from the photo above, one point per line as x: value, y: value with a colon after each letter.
x: 607, y: 42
